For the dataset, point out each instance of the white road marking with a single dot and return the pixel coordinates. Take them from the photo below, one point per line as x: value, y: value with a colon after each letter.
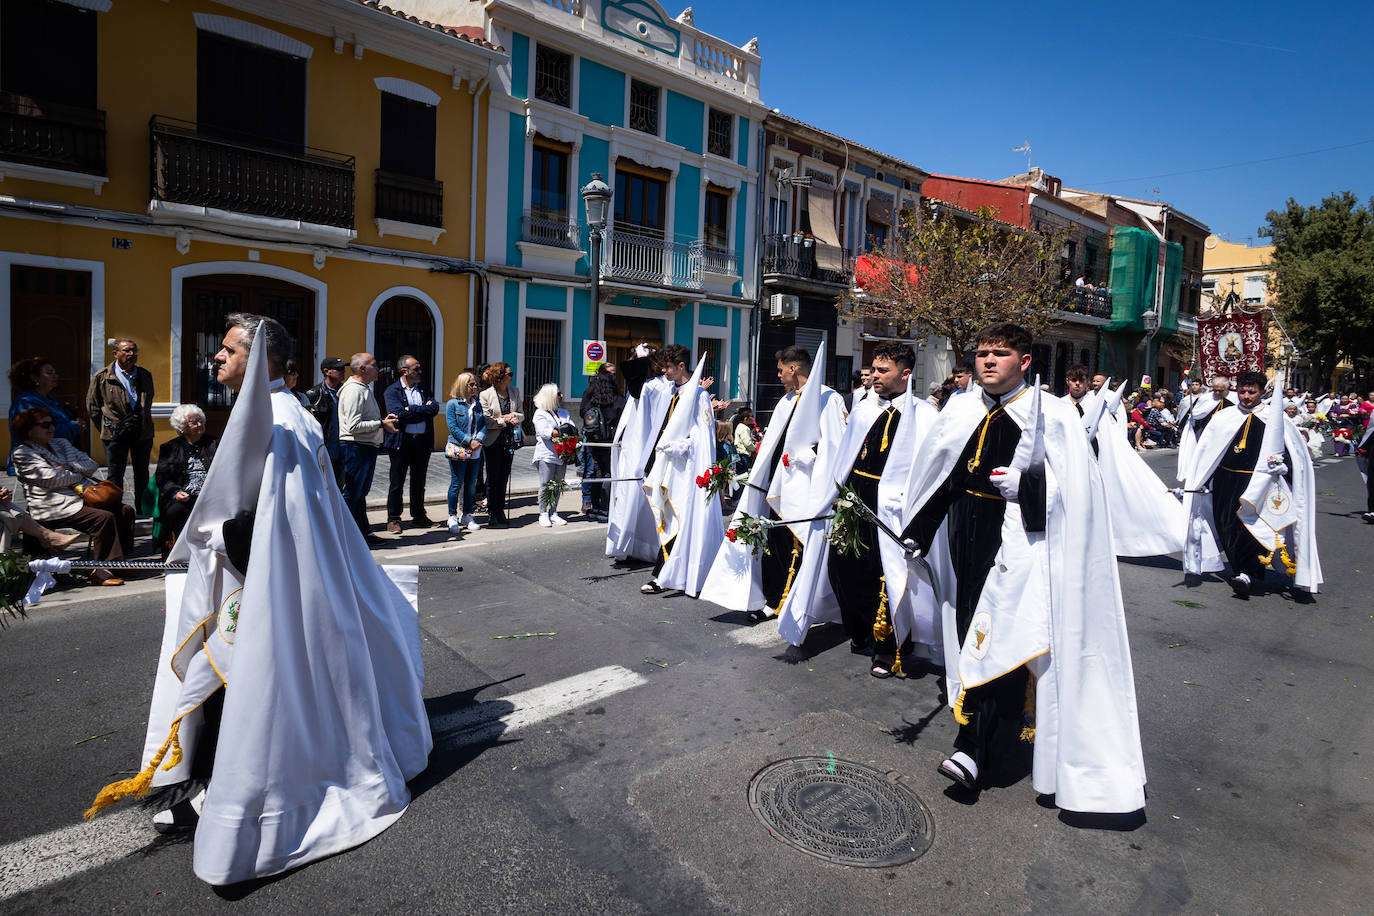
x: 764, y: 633
x: 493, y: 718
x: 28, y: 864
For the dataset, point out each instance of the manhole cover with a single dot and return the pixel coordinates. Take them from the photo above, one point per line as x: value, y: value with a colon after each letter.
x: 841, y: 811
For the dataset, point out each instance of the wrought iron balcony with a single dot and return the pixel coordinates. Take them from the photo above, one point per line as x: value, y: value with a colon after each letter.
x: 1096, y: 303
x: 410, y: 200
x: 557, y: 230
x: 805, y: 259
x: 191, y: 167
x: 640, y: 256
x: 51, y: 135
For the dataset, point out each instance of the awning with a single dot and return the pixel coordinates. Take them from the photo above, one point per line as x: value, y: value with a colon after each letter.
x: 876, y: 275
x: 821, y: 208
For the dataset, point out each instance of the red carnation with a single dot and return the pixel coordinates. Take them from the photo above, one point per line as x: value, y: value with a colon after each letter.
x: 785, y: 462
x: 730, y: 535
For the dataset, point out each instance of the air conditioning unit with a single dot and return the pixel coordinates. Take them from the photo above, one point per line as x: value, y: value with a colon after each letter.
x: 783, y: 307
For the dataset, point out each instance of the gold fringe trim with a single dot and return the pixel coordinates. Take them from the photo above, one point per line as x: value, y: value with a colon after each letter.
x: 138, y: 786
x: 1285, y: 557
x: 1028, y: 734
x: 882, y: 627
x: 791, y: 571
x: 959, y: 715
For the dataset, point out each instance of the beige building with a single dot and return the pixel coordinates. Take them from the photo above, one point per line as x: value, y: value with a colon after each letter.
x: 1230, y: 267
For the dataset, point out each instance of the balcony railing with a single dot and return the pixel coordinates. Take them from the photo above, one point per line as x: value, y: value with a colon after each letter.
x: 557, y: 230
x: 806, y: 259
x: 643, y: 257
x: 410, y: 200
x: 52, y: 135
x: 189, y: 167
x: 1080, y: 300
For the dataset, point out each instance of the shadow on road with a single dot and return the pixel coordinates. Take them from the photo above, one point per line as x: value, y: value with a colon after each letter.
x: 819, y: 639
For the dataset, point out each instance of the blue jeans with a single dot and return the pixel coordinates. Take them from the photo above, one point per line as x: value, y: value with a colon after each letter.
x: 359, y: 461
x: 463, y: 478
x: 586, y: 466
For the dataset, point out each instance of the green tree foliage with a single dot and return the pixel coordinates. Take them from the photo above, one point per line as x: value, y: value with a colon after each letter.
x: 956, y: 273
x: 1322, y: 275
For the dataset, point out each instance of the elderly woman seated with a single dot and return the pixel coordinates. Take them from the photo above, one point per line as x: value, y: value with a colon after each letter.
x: 181, y: 467
x: 49, y: 469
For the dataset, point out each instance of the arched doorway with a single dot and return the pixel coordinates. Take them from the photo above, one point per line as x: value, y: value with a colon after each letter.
x: 206, y: 301
x: 403, y: 326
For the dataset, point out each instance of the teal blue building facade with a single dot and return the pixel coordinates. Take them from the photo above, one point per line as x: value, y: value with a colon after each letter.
x: 671, y: 118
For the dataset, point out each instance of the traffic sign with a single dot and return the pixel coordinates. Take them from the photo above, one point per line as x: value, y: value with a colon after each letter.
x: 593, y: 356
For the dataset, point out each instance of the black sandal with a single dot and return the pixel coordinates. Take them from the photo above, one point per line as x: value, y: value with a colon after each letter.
x: 881, y: 670
x: 956, y: 772
x: 757, y: 616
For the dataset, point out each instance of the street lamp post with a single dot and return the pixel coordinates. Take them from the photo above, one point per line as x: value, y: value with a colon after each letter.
x: 596, y: 195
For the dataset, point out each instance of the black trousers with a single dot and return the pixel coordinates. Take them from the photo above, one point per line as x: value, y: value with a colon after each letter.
x: 779, y: 563
x: 118, y: 455
x: 662, y: 556
x: 1241, y: 549
x: 411, y: 458
x: 975, y: 536
x: 498, y: 460
x: 857, y: 583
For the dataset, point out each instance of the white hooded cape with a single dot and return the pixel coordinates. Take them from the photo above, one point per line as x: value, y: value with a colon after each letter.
x: 630, y: 529
x: 911, y: 601
x: 1147, y: 520
x: 1201, y: 550
x: 317, y: 648
x: 734, y: 581
x: 1052, y: 601
x: 1200, y: 408
x: 681, y: 509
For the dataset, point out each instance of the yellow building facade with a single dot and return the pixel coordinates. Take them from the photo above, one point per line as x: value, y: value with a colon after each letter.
x: 1229, y: 267
x: 163, y: 164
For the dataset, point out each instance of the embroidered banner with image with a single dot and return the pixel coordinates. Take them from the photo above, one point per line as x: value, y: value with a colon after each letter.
x: 1228, y: 345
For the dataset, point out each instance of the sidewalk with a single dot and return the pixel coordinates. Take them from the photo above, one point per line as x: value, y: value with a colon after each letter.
x: 524, y: 481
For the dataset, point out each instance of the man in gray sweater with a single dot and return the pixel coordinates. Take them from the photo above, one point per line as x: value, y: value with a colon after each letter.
x: 361, y: 429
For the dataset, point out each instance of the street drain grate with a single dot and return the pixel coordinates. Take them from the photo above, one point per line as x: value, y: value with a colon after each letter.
x: 841, y: 811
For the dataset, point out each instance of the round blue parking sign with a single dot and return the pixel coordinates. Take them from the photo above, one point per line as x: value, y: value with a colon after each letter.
x: 594, y: 352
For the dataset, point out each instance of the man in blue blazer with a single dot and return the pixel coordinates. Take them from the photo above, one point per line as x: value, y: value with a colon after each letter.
x: 411, y: 444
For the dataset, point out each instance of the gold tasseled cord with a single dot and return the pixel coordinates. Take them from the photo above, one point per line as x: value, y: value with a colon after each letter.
x: 882, y: 627
x: 791, y: 571
x: 138, y: 786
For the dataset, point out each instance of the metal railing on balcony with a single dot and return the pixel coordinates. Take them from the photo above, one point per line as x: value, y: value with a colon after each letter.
x: 408, y: 199
x: 557, y: 230
x: 191, y: 167
x: 52, y: 135
x: 806, y: 259
x: 718, y: 260
x: 630, y: 253
x: 1096, y: 303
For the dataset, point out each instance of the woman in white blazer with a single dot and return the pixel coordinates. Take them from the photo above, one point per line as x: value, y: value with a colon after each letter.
x: 549, y: 415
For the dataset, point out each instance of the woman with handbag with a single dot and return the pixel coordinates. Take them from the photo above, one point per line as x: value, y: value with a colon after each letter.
x: 551, y: 424
x: 466, y: 429
x: 500, y: 403
x: 61, y: 494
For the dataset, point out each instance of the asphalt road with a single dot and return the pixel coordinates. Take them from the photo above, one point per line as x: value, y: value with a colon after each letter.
x: 605, y: 768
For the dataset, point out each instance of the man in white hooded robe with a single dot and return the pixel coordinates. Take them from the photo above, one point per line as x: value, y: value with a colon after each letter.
x: 289, y: 679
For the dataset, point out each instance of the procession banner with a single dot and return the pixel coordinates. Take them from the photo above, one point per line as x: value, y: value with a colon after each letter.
x: 1230, y: 344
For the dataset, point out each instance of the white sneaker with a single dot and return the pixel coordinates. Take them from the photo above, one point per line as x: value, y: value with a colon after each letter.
x: 453, y: 526
x: 470, y: 523
x: 544, y: 520
x: 557, y: 519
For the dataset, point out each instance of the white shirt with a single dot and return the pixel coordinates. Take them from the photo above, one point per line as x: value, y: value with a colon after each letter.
x: 127, y: 380
x: 414, y: 399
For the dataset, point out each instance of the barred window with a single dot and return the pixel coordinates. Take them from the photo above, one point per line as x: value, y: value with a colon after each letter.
x: 553, y: 76
x: 644, y: 107
x: 719, y: 127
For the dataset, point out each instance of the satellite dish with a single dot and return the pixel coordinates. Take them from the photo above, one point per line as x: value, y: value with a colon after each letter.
x: 1212, y: 241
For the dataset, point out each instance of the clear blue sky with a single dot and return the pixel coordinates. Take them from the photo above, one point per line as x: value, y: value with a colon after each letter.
x: 1109, y: 95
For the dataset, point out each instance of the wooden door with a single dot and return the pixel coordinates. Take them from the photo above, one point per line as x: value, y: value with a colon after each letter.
x: 50, y: 316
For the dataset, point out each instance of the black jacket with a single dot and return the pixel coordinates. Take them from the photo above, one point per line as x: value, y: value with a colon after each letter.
x: 324, y: 407
x: 171, y: 463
